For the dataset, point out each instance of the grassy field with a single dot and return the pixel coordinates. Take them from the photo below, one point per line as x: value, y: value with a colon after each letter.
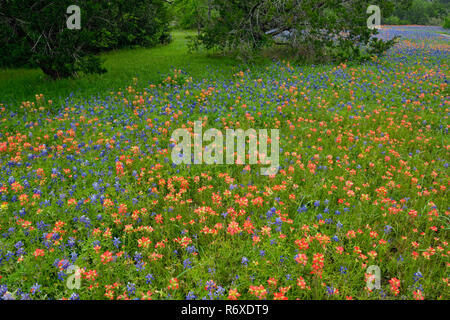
x: 93, y: 205
x: 148, y: 65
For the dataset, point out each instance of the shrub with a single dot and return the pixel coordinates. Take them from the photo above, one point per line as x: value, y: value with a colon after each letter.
x: 447, y: 23
x: 40, y: 37
x: 318, y: 28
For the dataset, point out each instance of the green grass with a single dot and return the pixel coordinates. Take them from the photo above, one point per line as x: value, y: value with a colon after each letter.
x: 147, y: 64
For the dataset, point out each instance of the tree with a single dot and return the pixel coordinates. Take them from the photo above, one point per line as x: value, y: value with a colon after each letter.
x: 188, y: 14
x: 424, y: 12
x: 334, y: 29
x: 36, y: 32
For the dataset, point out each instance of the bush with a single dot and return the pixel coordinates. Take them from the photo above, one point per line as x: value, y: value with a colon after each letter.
x: 319, y: 30
x: 40, y: 37
x: 394, y: 21
x: 447, y: 23
x: 378, y: 47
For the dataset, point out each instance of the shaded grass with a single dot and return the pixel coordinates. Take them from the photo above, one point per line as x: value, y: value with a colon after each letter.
x: 147, y: 64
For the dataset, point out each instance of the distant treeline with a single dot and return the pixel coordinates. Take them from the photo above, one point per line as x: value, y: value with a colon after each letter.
x: 421, y: 12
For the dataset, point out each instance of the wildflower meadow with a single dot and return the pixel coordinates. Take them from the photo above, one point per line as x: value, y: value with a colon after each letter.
x: 93, y: 205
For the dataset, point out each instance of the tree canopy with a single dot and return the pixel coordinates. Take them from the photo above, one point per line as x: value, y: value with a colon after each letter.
x: 35, y: 32
x: 333, y: 29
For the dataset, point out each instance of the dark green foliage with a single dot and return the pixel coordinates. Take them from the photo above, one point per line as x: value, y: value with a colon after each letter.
x: 35, y: 32
x: 189, y: 14
x: 319, y: 29
x: 447, y: 23
x: 140, y: 23
x: 420, y: 12
x: 13, y: 49
x: 378, y: 47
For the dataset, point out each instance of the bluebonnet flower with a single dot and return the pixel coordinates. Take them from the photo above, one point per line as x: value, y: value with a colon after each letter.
x: 131, y: 288
x: 61, y: 275
x: 187, y: 263
x: 140, y: 265
x: 96, y: 243
x: 73, y: 256
x: 191, y: 296
x: 74, y: 296
x: 220, y: 291
x: 190, y: 249
x: 25, y: 296
x: 387, y: 229
x: 210, y: 285
x: 149, y: 277
x: 116, y: 242
x: 7, y: 296
x: 86, y: 221
x: 417, y: 276
x: 36, y: 288
x: 278, y: 221
x: 137, y: 256
x: 330, y: 290
x: 18, y: 244
x: 3, y: 289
